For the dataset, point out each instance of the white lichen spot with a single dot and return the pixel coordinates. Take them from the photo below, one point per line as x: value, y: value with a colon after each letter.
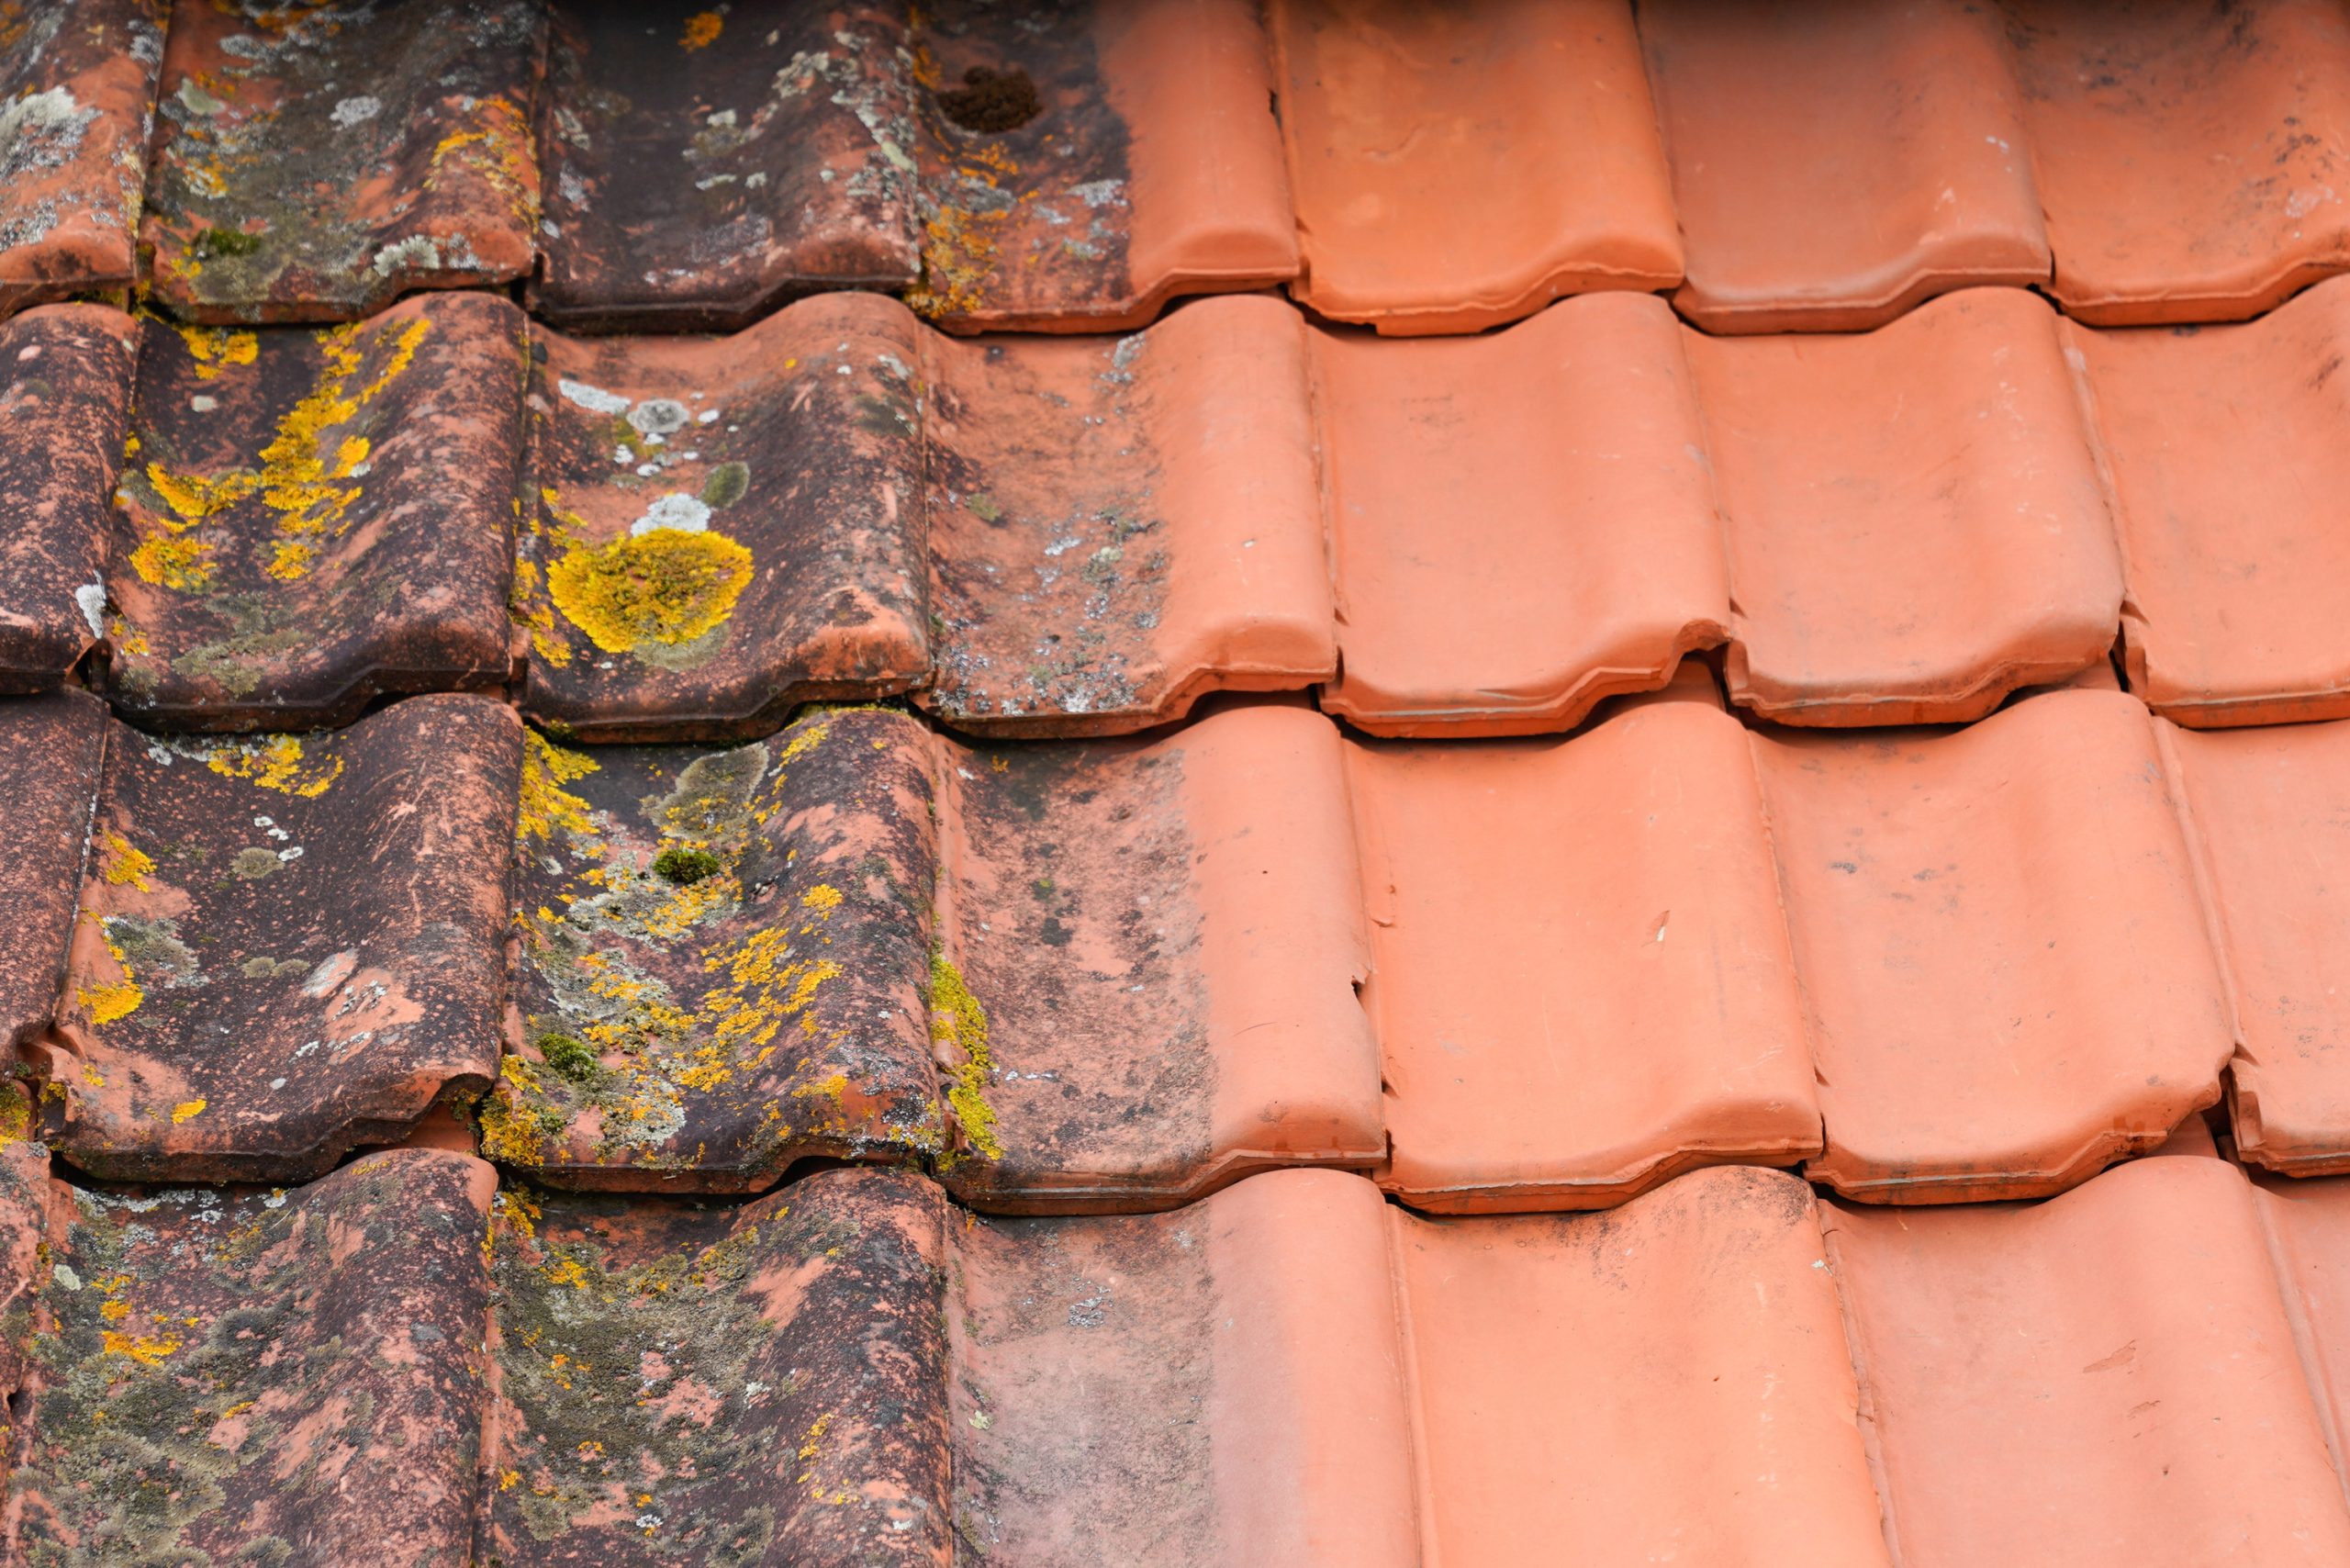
x: 657, y: 417
x: 196, y: 101
x: 67, y: 1280
x: 675, y: 510
x: 356, y: 111
x: 92, y: 599
x: 418, y: 250
x: 595, y: 400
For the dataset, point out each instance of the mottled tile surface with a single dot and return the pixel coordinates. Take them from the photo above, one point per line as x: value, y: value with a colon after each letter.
x: 313, y: 518
x: 721, y: 958
x: 317, y: 160
x: 698, y: 168
x: 286, y: 945
x: 51, y: 749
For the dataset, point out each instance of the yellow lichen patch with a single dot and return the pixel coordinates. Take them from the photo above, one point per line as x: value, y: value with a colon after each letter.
x: 824, y: 896
x: 16, y: 1117
x: 665, y: 586
x: 959, y: 254
x: 277, y: 763
x: 512, y: 1132
x: 120, y: 861
x: 702, y: 29
x: 186, y: 1110
x: 546, y: 805
x: 687, y: 906
x: 180, y: 564
x: 530, y: 610
x: 147, y: 1350
x: 216, y: 349
x: 292, y: 562
x: 111, y: 1002
x: 957, y: 1020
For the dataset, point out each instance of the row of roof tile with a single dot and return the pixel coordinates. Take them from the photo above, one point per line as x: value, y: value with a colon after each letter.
x: 681, y: 538
x: 1933, y: 965
x: 1072, y: 165
x: 2141, y: 1372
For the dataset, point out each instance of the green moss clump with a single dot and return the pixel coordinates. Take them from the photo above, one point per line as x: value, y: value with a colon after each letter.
x: 218, y: 241
x: 684, y: 866
x: 570, y: 1057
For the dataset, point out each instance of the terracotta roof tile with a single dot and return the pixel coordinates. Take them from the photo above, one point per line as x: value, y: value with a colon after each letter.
x: 1449, y: 177
x: 1832, y: 173
x: 1150, y: 164
x: 78, y: 78
x: 312, y: 519
x: 64, y: 393
x: 248, y: 1375
x: 312, y: 165
x: 698, y: 169
x: 2116, y: 1366
x: 2267, y: 809
x: 1568, y: 1016
x: 50, y: 753
x: 724, y: 527
x: 724, y: 958
x: 758, y: 1385
x: 2224, y: 447
x: 1118, y: 526
x: 286, y: 945
x: 1999, y: 940
x: 1829, y: 177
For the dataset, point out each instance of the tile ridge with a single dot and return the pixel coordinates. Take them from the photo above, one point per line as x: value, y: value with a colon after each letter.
x: 1779, y: 895
x: 2306, y: 1348
x: 1407, y: 1371
x: 1865, y: 1415
x: 2199, y: 863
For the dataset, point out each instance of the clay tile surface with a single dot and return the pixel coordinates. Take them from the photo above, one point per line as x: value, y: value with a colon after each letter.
x: 1451, y: 174
x: 50, y: 748
x: 2117, y: 1366
x: 724, y: 527
x: 723, y: 957
x: 314, y: 162
x: 1118, y: 526
x: 1834, y: 166
x: 1916, y: 524
x: 311, y: 520
x: 2224, y: 445
x: 2188, y: 158
x: 286, y: 945
x: 1363, y: 1386
x: 2270, y: 812
x: 698, y: 168
x: 1521, y: 523
x: 765, y: 1384
x: 1158, y: 945
x: 2001, y: 945
x: 2309, y: 1239
x: 1083, y: 161
x: 250, y: 1375
x: 1567, y: 1015
x: 65, y: 379
x: 1903, y: 526
x: 78, y: 80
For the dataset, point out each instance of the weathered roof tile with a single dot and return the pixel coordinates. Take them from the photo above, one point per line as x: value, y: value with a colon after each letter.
x: 314, y: 162
x: 286, y: 945
x: 50, y: 750
x: 65, y: 379
x: 700, y: 169
x: 311, y: 520
x: 77, y: 78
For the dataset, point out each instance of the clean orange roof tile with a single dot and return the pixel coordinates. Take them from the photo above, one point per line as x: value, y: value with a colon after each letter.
x: 2109, y: 1377
x: 65, y: 378
x: 309, y: 520
x: 699, y: 166
x: 1452, y: 172
x: 1118, y: 526
x: 2269, y: 810
x: 1078, y: 170
x: 1581, y: 982
x: 2309, y: 1242
x: 2193, y: 160
x: 2227, y: 459
x: 50, y: 750
x: 286, y: 945
x: 1916, y: 524
x: 78, y: 80
x: 313, y: 164
x: 1999, y: 936
x: 1520, y: 524
x: 722, y: 527
x: 1834, y: 166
